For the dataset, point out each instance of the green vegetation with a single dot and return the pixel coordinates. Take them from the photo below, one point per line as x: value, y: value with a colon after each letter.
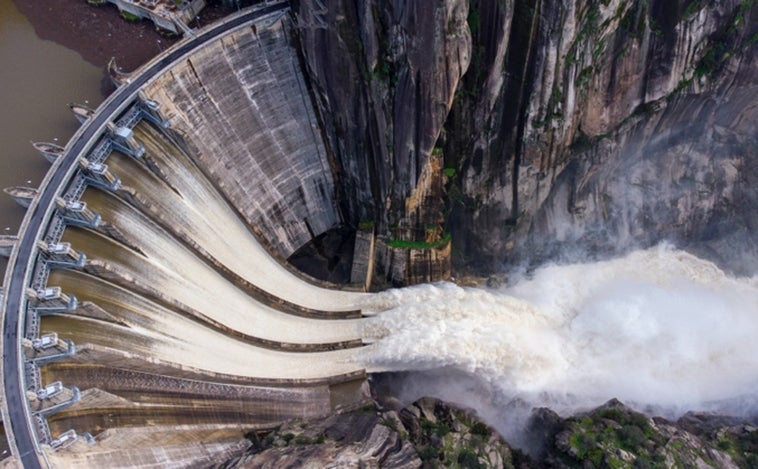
x: 389, y: 423
x: 129, y: 16
x: 584, y: 77
x: 712, y: 58
x: 481, y: 429
x: 404, y: 244
x: 455, y: 439
x: 598, y: 50
x: 693, y: 7
x: 437, y: 151
x: 744, y: 7
x: 382, y: 70
x: 474, y: 76
x: 615, y: 438
x: 633, y: 20
x: 741, y: 445
x: 366, y: 225
x: 589, y: 23
x: 556, y: 96
x: 473, y: 22
x: 455, y: 194
x: 429, y: 453
x: 438, y: 428
x: 655, y: 28
x: 469, y: 459
x: 723, y: 44
x: 303, y: 440
x: 449, y: 172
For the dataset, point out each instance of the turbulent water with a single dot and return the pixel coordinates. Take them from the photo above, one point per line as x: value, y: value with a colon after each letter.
x: 165, y: 301
x: 659, y: 329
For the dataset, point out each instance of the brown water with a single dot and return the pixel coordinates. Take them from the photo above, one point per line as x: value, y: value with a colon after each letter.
x: 38, y: 79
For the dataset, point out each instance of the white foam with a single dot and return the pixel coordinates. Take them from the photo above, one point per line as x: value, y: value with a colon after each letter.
x: 658, y: 328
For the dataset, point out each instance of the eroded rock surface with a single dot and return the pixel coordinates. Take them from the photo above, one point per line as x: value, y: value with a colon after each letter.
x: 428, y: 433
x: 591, y: 126
x: 431, y: 433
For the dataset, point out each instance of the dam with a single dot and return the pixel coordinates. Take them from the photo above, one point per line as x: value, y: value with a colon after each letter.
x: 149, y: 314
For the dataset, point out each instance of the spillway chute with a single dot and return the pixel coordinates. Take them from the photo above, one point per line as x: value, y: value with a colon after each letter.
x: 146, y: 286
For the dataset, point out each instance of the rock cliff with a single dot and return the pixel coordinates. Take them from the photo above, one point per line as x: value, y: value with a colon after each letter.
x: 584, y: 126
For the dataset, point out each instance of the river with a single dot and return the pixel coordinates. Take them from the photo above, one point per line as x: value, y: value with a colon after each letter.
x: 39, y: 78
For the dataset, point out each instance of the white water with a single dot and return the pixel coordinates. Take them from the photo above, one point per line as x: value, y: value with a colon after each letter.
x: 658, y: 329
x: 218, y: 229
x: 177, y: 273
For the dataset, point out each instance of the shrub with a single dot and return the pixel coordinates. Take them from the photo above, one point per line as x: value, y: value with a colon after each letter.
x: 303, y: 440
x: 481, y: 429
x: 469, y: 459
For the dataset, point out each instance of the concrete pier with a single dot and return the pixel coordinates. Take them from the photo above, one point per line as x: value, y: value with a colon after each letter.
x: 7, y: 243
x: 22, y: 195
x: 49, y: 151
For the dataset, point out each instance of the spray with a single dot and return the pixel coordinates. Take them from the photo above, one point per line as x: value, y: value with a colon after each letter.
x: 659, y: 329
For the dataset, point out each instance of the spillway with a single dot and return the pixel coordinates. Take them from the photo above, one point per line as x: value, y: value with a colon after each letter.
x: 147, y: 304
x: 199, y: 214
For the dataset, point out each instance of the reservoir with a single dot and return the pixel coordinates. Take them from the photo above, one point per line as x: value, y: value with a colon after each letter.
x: 37, y: 81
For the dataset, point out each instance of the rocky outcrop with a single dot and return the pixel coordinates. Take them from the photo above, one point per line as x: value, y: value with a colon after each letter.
x: 357, y: 439
x: 591, y: 126
x: 428, y: 433
x: 432, y: 433
x: 613, y: 435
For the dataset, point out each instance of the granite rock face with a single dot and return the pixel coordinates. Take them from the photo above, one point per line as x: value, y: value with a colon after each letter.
x: 385, y: 76
x: 585, y: 126
x: 427, y: 433
x: 431, y: 433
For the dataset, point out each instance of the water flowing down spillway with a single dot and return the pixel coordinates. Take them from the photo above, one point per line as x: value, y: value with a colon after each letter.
x: 659, y: 329
x: 178, y: 273
x: 155, y: 331
x: 167, y: 333
x: 197, y: 208
x: 166, y: 296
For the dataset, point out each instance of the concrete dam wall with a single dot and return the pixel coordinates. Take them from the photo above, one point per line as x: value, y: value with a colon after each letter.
x: 242, y: 106
x: 148, y: 318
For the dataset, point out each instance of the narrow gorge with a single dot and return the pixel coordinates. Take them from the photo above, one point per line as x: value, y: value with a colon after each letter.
x: 533, y: 131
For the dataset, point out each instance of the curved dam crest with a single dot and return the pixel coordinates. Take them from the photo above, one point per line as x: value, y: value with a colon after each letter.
x: 154, y: 304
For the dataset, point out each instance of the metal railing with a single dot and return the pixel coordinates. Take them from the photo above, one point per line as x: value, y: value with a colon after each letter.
x: 42, y: 429
x: 131, y: 117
